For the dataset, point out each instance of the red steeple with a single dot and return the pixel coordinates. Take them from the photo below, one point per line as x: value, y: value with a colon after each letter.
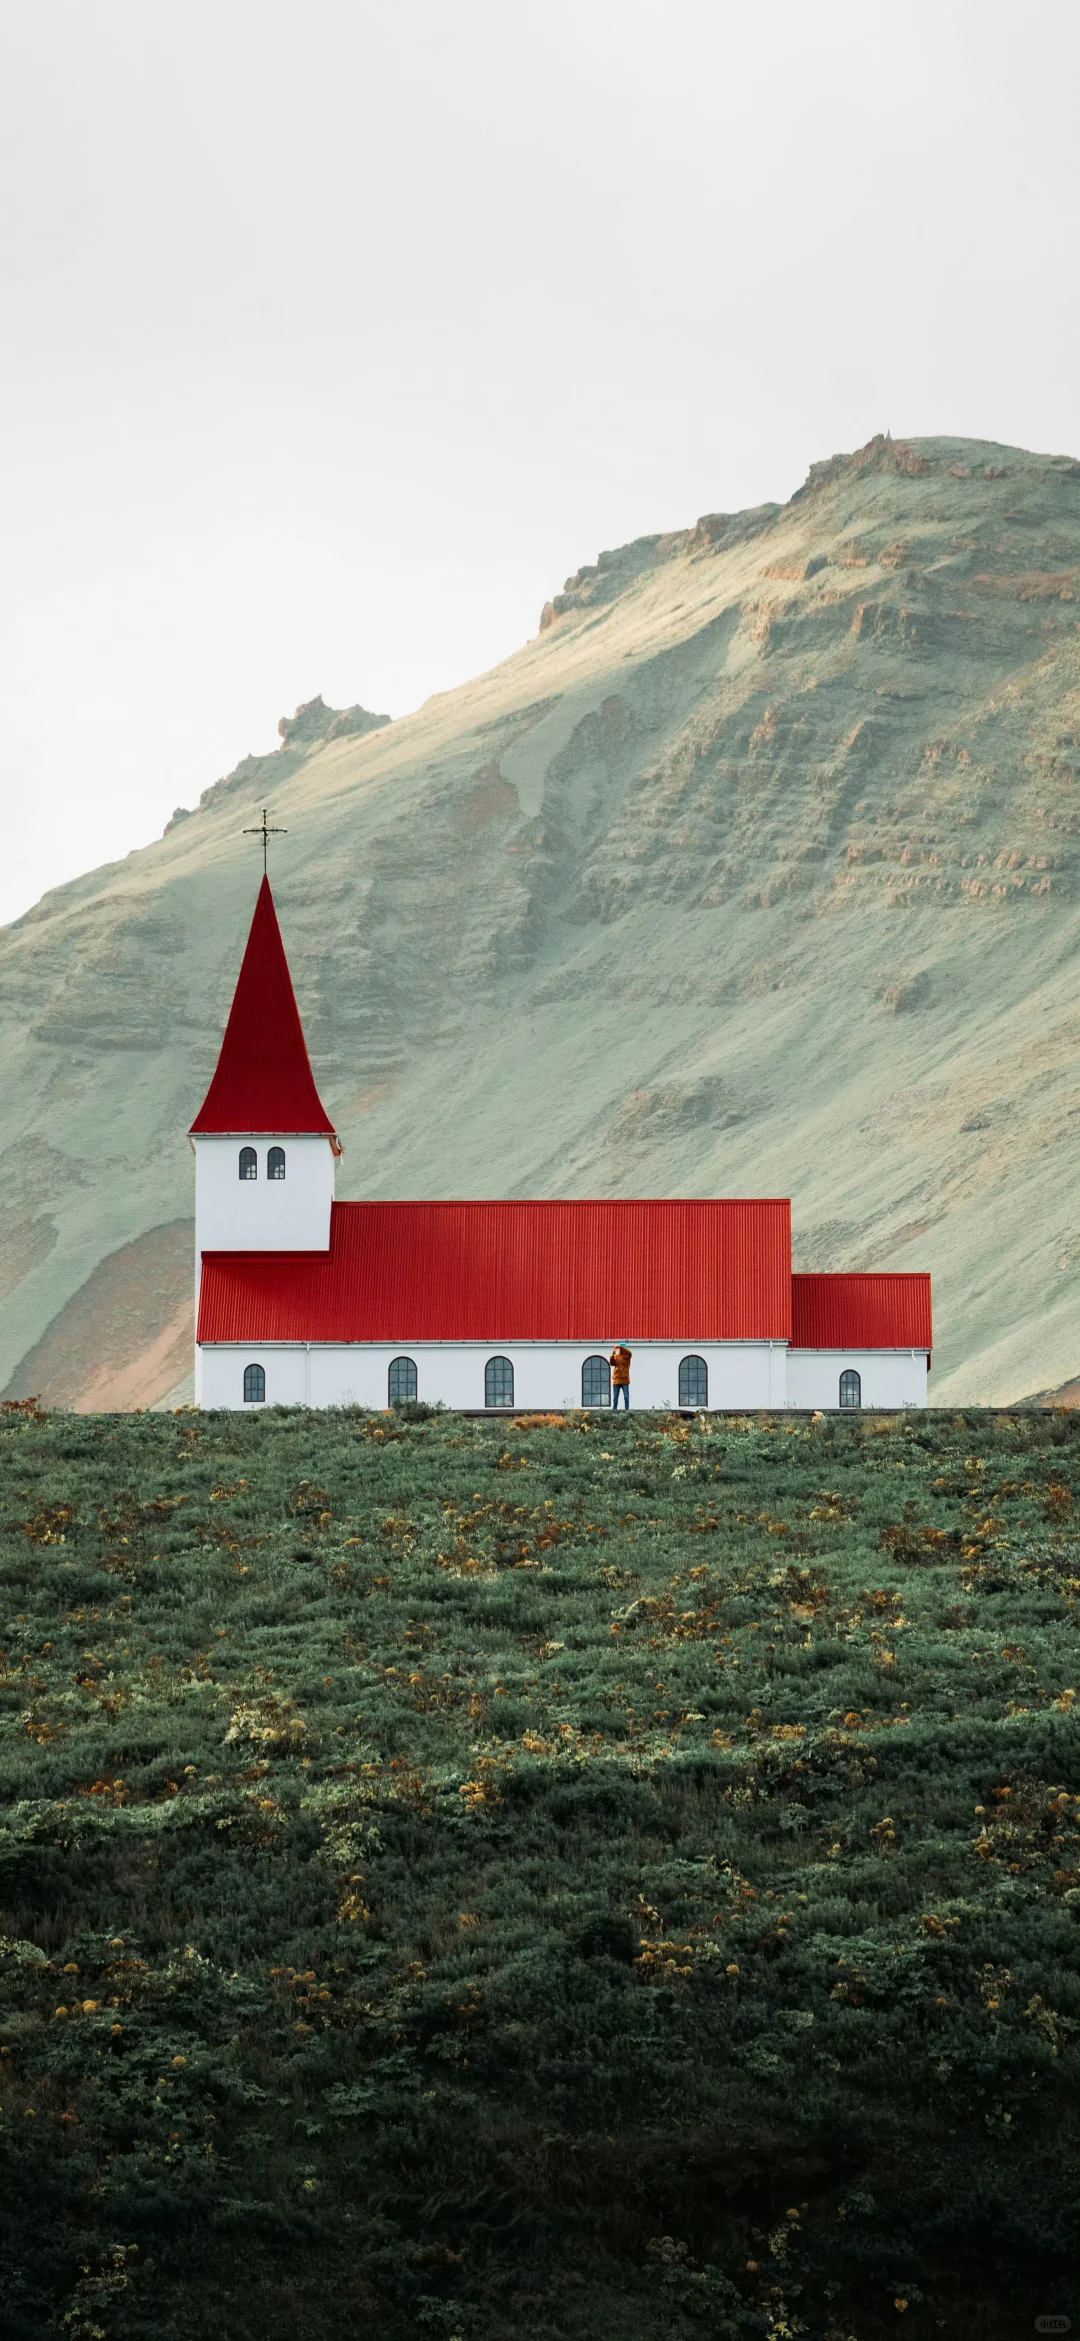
x: 264, y: 1081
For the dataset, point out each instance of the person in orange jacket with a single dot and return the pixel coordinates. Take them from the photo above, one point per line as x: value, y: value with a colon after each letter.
x: 619, y: 1361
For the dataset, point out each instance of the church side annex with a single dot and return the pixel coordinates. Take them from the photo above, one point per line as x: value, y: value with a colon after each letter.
x: 302, y: 1300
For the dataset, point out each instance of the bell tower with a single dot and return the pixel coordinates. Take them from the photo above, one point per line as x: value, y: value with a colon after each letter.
x: 265, y: 1148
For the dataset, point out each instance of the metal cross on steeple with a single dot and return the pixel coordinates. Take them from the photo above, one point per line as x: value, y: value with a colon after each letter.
x: 265, y: 830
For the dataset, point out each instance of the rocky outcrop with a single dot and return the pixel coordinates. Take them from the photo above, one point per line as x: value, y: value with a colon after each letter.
x: 314, y: 722
x: 611, y: 573
x: 307, y: 728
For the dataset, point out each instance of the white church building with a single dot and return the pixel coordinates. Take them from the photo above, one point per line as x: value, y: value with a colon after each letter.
x: 305, y: 1301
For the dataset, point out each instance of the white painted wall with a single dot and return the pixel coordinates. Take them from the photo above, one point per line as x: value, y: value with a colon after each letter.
x: 547, y: 1375
x: 263, y: 1215
x: 890, y: 1377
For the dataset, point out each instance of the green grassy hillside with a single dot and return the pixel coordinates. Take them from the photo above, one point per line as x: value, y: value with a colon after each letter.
x: 539, y: 1881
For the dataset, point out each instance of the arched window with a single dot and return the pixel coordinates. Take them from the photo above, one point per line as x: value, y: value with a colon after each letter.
x: 254, y: 1386
x: 850, y: 1388
x: 402, y: 1384
x: 693, y: 1382
x: 596, y: 1382
x: 275, y: 1163
x: 249, y: 1163
x: 498, y: 1382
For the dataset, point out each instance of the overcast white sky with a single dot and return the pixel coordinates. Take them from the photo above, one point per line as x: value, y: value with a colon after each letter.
x: 336, y: 332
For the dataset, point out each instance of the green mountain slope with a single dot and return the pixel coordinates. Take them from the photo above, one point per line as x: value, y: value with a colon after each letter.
x: 754, y: 872
x: 534, y: 1891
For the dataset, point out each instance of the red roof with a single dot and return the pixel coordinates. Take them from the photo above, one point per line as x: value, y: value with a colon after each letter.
x: 401, y: 1272
x: 264, y: 1081
x: 861, y: 1312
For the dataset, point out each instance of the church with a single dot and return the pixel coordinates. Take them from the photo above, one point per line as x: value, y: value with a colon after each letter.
x: 305, y: 1301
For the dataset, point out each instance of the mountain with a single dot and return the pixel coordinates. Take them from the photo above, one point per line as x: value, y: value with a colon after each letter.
x: 755, y: 872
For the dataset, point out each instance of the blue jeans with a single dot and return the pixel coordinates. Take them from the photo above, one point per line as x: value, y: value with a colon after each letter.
x: 620, y: 1390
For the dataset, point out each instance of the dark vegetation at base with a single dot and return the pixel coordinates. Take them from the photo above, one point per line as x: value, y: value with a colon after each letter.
x: 580, y: 1881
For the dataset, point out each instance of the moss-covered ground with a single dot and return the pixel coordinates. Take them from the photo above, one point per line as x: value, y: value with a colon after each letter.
x: 545, y: 1880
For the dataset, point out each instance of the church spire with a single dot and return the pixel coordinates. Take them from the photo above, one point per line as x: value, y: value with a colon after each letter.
x: 263, y: 1081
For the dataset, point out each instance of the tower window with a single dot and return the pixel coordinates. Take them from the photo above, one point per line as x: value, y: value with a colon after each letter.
x: 254, y: 1386
x: 249, y: 1163
x: 596, y: 1382
x: 498, y: 1382
x: 275, y: 1163
x: 402, y: 1380
x: 850, y: 1388
x: 693, y: 1382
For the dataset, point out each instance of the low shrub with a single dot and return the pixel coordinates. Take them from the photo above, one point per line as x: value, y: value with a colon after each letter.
x: 461, y: 1887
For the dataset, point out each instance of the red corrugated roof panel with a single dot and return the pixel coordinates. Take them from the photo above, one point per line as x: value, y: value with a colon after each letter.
x: 264, y: 1081
x: 861, y: 1312
x: 401, y: 1272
